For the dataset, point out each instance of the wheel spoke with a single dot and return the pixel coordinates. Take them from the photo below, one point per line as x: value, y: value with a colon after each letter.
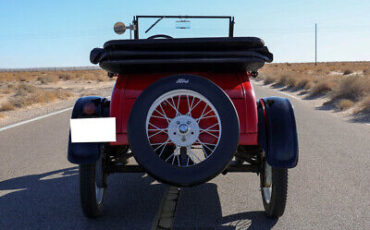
x: 203, y: 115
x: 173, y: 105
x: 209, y: 128
x: 164, y: 114
x: 205, y: 145
x: 206, y: 117
x: 170, y: 157
x: 191, y: 153
x: 178, y: 104
x: 155, y: 134
x: 178, y: 160
x: 195, y: 105
x: 155, y: 126
x: 187, y: 99
x: 164, y: 146
x: 188, y: 161
x: 208, y: 148
x: 160, y: 144
x: 209, y: 133
x: 163, y: 130
x: 205, y: 153
x: 155, y: 116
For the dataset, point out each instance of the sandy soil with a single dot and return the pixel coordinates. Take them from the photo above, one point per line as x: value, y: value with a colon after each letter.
x: 321, y: 102
x: 78, y: 89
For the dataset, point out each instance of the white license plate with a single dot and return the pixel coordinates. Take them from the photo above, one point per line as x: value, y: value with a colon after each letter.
x: 93, y: 130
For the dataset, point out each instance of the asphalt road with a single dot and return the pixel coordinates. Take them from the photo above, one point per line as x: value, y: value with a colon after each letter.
x: 330, y: 188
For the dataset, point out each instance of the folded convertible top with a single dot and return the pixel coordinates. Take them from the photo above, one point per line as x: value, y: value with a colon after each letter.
x: 186, y: 54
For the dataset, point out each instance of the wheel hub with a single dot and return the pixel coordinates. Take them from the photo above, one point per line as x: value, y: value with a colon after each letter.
x: 183, y: 130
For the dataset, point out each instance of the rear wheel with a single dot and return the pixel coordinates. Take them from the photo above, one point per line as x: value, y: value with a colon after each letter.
x: 92, y: 188
x: 274, y: 190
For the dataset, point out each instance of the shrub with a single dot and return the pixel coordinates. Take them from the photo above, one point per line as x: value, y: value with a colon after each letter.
x: 303, y: 83
x: 268, y: 79
x: 5, y: 90
x: 347, y: 71
x: 287, y: 80
x: 352, y: 88
x: 48, y: 79
x: 6, y: 106
x: 38, y: 96
x: 65, y: 77
x: 344, y: 104
x: 24, y: 90
x: 309, y: 85
x: 321, y: 88
x: 364, y: 106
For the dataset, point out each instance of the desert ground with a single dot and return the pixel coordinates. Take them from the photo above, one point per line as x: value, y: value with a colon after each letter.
x: 342, y: 87
x: 339, y: 86
x: 24, y: 94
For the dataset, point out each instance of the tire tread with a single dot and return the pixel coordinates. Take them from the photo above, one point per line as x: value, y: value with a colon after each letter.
x: 89, y: 204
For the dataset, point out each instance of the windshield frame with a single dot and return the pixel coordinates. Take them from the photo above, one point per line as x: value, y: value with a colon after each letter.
x: 135, y: 21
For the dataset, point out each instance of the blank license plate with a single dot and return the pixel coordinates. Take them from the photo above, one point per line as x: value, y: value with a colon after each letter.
x: 93, y: 130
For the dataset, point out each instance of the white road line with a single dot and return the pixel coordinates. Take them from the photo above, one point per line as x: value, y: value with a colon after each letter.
x: 286, y: 94
x: 36, y: 118
x: 289, y: 95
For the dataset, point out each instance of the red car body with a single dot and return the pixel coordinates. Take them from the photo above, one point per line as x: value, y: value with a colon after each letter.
x: 237, y: 85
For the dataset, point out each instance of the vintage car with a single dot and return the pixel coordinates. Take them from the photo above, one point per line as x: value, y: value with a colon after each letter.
x: 185, y: 109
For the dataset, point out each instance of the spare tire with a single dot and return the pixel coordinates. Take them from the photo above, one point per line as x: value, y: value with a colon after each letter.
x: 184, y: 130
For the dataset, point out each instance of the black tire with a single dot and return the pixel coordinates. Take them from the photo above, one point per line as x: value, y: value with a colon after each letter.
x: 91, y: 207
x: 195, y: 174
x: 276, y: 206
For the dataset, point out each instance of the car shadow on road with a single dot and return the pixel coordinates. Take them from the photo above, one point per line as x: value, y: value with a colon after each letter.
x: 51, y: 201
x: 200, y: 208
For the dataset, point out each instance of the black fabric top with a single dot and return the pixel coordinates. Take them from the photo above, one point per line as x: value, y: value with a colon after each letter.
x: 185, y: 54
x: 219, y: 43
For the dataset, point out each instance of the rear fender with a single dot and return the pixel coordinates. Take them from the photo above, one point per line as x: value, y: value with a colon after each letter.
x: 277, y: 132
x: 87, y: 107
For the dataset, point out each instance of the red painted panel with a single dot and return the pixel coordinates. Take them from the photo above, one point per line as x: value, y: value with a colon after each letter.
x: 236, y: 85
x: 241, y: 110
x: 251, y: 119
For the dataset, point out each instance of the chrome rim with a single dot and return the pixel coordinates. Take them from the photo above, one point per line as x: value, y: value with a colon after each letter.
x: 99, y: 191
x: 183, y: 127
x: 267, y: 183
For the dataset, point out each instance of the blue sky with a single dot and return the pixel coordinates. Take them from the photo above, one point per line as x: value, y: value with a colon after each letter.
x: 37, y: 33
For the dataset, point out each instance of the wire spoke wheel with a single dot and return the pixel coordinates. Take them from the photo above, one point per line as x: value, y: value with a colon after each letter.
x: 92, y: 188
x: 274, y: 189
x: 183, y: 130
x: 183, y: 127
x: 267, y: 183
